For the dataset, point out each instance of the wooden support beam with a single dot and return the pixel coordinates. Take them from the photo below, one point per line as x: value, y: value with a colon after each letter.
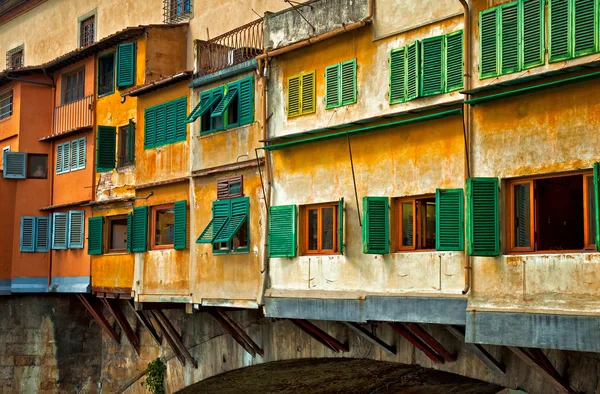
x: 542, y: 367
x: 320, y: 335
x: 417, y: 342
x: 431, y: 342
x: 365, y: 334
x: 99, y: 317
x: 478, y: 351
x: 145, y: 306
x: 236, y: 332
x: 170, y: 340
x: 146, y: 323
x: 170, y: 330
x: 115, y: 310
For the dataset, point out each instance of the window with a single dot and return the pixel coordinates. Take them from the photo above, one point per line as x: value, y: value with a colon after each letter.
x: 37, y: 166
x: 73, y: 86
x: 71, y: 155
x: 165, y: 123
x: 4, y: 149
x: 116, y: 234
x: 126, y: 144
x: 177, y: 10
x: 106, y: 74
x: 126, y: 65
x: 35, y: 234
x: 441, y: 64
x: 404, y: 73
x: 68, y: 230
x: 230, y: 187
x: 168, y: 226
x: 301, y: 94
x: 228, y: 230
x: 320, y: 229
x: 106, y: 143
x: 6, y: 104
x: 573, y: 29
x: 549, y: 214
x: 416, y: 223
x: 15, y: 58
x: 340, y: 84
x: 87, y: 31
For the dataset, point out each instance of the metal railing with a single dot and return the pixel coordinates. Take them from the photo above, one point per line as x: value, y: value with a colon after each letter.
x: 231, y: 48
x: 74, y: 115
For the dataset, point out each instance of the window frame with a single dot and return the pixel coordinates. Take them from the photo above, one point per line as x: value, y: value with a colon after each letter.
x: 17, y: 52
x: 170, y: 10
x: 9, y: 96
x: 417, y: 227
x: 123, y: 133
x: 153, y: 211
x: 63, y: 89
x: 112, y: 90
x: 586, y: 213
x: 511, y: 216
x: 29, y: 166
x: 108, y: 233
x: 305, y: 227
x: 82, y: 24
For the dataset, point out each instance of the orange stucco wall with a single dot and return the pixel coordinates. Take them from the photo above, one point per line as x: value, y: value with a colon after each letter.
x: 7, y: 207
x: 73, y: 262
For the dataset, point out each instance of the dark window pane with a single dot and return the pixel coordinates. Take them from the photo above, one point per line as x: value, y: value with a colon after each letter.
x: 106, y: 73
x: 240, y: 238
x: 428, y: 223
x: 327, y: 229
x: 522, y: 215
x: 6, y: 104
x: 407, y: 224
x: 37, y: 166
x: 232, y: 111
x: 313, y: 235
x: 165, y: 220
x: 118, y: 234
x: 591, y: 211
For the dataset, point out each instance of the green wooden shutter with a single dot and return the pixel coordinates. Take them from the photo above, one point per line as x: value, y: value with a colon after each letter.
x: 76, y: 229
x: 15, y: 165
x: 131, y: 142
x: 149, y: 128
x: 293, y: 97
x: 129, y: 231
x: 597, y: 202
x: 28, y: 236
x: 488, y: 43
x: 246, y: 101
x: 483, y: 231
x: 221, y: 211
x: 532, y: 31
x: 240, y: 208
x: 560, y: 27
x: 398, y: 75
x: 348, y: 82
x: 454, y: 61
x: 341, y: 225
x: 180, y: 229
x: 140, y: 229
x: 126, y: 65
x: 42, y: 234
x: 282, y: 231
x: 206, y: 102
x: 106, y: 148
x: 584, y: 26
x: 449, y: 224
x: 170, y: 122
x: 161, y: 125
x: 308, y: 93
x: 95, y: 236
x: 432, y: 66
x: 232, y: 92
x: 413, y: 70
x: 332, y: 86
x: 509, y: 38
x: 376, y: 229
x: 180, y: 124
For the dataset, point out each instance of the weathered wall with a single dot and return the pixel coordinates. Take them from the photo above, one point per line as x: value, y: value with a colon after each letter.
x: 166, y: 52
x: 7, y: 209
x: 9, y: 127
x: 73, y: 262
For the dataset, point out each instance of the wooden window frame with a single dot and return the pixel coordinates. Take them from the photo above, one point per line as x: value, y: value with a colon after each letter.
x: 417, y: 245
x: 84, y: 39
x: 8, y: 96
x: 511, y: 216
x: 586, y: 216
x: 31, y: 155
x: 320, y: 251
x: 64, y: 85
x: 112, y: 90
x: 108, y: 234
x: 153, y: 211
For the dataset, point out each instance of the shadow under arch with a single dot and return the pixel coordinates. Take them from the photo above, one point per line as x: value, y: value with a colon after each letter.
x: 339, y: 376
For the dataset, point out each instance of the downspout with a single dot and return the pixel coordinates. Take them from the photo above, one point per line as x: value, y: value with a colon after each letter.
x: 51, y: 164
x: 467, y: 116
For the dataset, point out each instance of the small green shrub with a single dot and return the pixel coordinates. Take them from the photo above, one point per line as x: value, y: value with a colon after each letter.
x: 155, y: 375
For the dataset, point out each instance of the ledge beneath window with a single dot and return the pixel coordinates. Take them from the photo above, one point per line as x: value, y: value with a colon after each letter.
x: 65, y: 134
x: 69, y: 204
x: 237, y: 69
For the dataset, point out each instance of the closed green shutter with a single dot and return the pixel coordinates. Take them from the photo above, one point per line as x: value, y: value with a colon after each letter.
x: 376, y: 229
x: 76, y: 229
x: 432, y: 66
x: 584, y: 25
x: 240, y: 208
x: 106, y: 148
x: 171, y: 121
x: 454, y: 61
x: 413, y: 61
x: 149, y: 128
x: 532, y: 28
x: 560, y: 27
x: 293, y: 97
x: 398, y: 75
x: 140, y: 229
x: 42, y: 234
x: 165, y: 123
x: 27, y: 242
x: 488, y: 43
x: 180, y: 224
x: 341, y: 225
x: 282, y: 231
x: 483, y: 231
x: 509, y: 38
x: 15, y: 165
x: 246, y: 101
x: 348, y: 82
x: 129, y: 231
x: 332, y: 86
x: 221, y: 211
x: 95, y: 235
x: 60, y: 229
x: 126, y: 65
x: 449, y: 225
x: 180, y: 124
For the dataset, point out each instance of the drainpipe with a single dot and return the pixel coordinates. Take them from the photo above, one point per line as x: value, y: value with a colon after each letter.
x: 51, y: 165
x: 467, y: 116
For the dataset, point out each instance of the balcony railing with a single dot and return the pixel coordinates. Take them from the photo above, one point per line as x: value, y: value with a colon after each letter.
x: 72, y: 116
x: 231, y: 48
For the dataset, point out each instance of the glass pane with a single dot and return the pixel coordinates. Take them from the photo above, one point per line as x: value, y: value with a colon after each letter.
x: 407, y: 224
x: 522, y: 215
x: 240, y: 238
x: 591, y: 211
x: 37, y: 166
x: 118, y: 234
x: 164, y: 226
x: 312, y: 229
x: 327, y: 229
x: 428, y: 224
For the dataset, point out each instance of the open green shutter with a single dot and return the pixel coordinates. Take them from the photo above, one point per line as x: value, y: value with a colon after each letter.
x: 106, y: 148
x: 139, y: 237
x: 129, y: 231
x: 221, y: 211
x: 180, y: 229
x: 398, y: 75
x: 584, y: 26
x: 95, y: 227
x: 376, y: 229
x: 483, y: 231
x: 560, y: 28
x: 282, y: 231
x: 232, y: 92
x: 413, y: 69
x: 341, y: 225
x: 126, y: 65
x: 240, y: 208
x: 206, y: 103
x: 246, y: 101
x: 432, y: 66
x: 454, y: 61
x: 348, y: 82
x: 449, y: 227
x: 532, y: 32
x: 509, y: 38
x: 488, y: 43
x: 332, y: 86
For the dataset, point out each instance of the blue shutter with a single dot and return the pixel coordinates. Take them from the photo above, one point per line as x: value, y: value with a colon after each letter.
x: 126, y: 65
x: 60, y: 229
x: 76, y: 226
x: 81, y: 152
x: 66, y: 156
x: 27, y: 234
x: 59, y: 158
x: 42, y: 238
x: 14, y: 166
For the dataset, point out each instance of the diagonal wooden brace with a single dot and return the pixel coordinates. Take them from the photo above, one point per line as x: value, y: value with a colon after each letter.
x: 543, y: 367
x: 320, y: 335
x: 478, y: 351
x: 146, y: 323
x: 168, y: 329
x: 431, y: 342
x: 236, y: 332
x: 170, y: 340
x: 364, y: 333
x: 115, y: 310
x: 417, y: 342
x: 99, y: 317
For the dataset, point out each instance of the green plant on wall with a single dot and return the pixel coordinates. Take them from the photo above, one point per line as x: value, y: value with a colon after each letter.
x: 155, y: 374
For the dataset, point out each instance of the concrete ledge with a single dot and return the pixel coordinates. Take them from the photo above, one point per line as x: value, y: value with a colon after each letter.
x: 249, y: 65
x: 545, y: 331
x: 70, y: 284
x: 4, y: 286
x: 29, y: 285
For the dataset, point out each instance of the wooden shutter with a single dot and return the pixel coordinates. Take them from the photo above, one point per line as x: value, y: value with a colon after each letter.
x: 282, y: 233
x: 348, y: 82
x: 170, y: 122
x: 221, y: 210
x: 130, y: 142
x: 376, y: 232
x: 509, y: 38
x: 207, y: 100
x: 308, y: 93
x: 149, y: 128
x: 341, y: 225
x: 584, y: 26
x: 240, y: 208
x: 180, y: 125
x: 59, y: 158
x: 488, y: 43
x: 126, y: 65
x: 82, y: 149
x: 231, y: 187
x: 432, y: 66
x: 449, y: 224
x: 66, y: 157
x: 129, y: 231
x: 42, y: 236
x: 232, y: 92
x: 76, y: 227
x: 15, y: 165
x: 560, y: 27
x: 60, y: 228
x: 74, y: 155
x: 246, y: 101
x: 413, y: 61
x: 483, y: 232
x: 106, y: 148
x: 180, y: 226
x: 95, y: 235
x: 293, y: 98
x: 332, y: 86
x: 454, y: 61
x: 398, y: 75
x: 597, y: 202
x: 140, y: 229
x: 532, y: 30
x: 27, y: 234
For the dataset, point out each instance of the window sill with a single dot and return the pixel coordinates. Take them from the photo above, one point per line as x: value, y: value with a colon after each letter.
x: 207, y: 134
x: 116, y: 253
x: 106, y: 94
x: 165, y: 247
x: 334, y: 254
x: 543, y: 252
x: 6, y: 119
x: 423, y: 251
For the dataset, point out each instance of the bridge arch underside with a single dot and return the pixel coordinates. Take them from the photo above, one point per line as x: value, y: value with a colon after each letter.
x: 335, y: 375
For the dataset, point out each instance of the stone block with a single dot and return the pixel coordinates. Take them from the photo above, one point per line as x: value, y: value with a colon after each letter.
x: 6, y: 373
x: 26, y: 361
x: 7, y: 360
x: 14, y: 349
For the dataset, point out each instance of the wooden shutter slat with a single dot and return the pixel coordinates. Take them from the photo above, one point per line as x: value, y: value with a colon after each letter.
x: 454, y: 61
x: 560, y: 26
x: 348, y: 82
x: 432, y: 66
x: 449, y: 226
x: 149, y: 128
x: 488, y: 43
x: 180, y: 226
x: 106, y: 145
x: 375, y: 236
x: 483, y: 232
x: 59, y: 158
x: 413, y: 68
x: 180, y: 125
x: 42, y: 236
x: 140, y: 229
x: 28, y: 235
x: 95, y: 235
x: 170, y: 122
x: 509, y: 38
x: 126, y: 65
x: 584, y: 26
x: 532, y: 22
x: 282, y: 233
x: 60, y: 228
